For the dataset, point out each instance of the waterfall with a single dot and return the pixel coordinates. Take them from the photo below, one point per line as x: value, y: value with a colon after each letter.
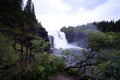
x: 59, y: 40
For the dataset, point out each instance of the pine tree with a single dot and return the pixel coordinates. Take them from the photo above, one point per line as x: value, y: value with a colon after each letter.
x: 29, y: 11
x: 11, y: 13
x: 33, y: 12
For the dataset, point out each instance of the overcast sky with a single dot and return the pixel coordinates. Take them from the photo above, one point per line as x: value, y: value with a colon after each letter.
x: 54, y: 14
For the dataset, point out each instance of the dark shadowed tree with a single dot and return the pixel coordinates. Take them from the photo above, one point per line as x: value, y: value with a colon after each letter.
x: 29, y: 11
x: 117, y: 26
x: 10, y: 5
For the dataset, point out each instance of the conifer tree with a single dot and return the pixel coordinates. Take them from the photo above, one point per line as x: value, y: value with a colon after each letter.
x: 29, y: 11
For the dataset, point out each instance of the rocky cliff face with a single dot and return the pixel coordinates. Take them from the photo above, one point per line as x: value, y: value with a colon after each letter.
x: 78, y: 38
x: 51, y: 39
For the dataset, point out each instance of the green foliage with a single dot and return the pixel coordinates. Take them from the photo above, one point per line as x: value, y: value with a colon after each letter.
x: 16, y: 27
x: 105, y: 48
x: 40, y: 45
x: 108, y: 67
x: 75, y: 72
x: 108, y: 55
x: 114, y: 39
x: 48, y: 65
x: 97, y: 40
x: 44, y: 64
x: 7, y: 53
x: 69, y: 29
x: 104, y: 40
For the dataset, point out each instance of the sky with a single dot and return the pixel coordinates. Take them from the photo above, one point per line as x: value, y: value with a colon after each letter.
x: 54, y: 14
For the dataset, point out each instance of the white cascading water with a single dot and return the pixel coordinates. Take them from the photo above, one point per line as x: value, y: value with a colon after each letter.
x: 60, y: 41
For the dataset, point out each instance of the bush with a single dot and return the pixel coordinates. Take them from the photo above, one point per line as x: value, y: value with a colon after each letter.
x: 108, y: 67
x: 48, y: 65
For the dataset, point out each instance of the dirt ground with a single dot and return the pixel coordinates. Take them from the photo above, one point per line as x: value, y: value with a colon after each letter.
x: 62, y: 76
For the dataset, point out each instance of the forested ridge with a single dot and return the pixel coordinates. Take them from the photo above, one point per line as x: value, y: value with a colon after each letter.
x: 25, y: 49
